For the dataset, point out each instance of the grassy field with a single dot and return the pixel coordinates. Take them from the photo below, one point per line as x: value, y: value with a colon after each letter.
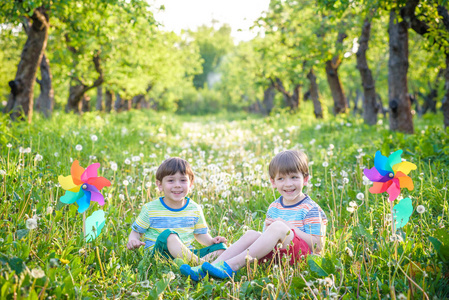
x: 43, y: 253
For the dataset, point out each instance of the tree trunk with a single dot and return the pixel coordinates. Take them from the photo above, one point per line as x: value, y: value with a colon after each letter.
x: 20, y: 101
x: 45, y: 101
x: 268, y: 100
x: 99, y: 105
x: 445, y: 106
x: 369, y: 90
x: 398, y: 98
x: 85, y: 103
x: 118, y: 102
x: 291, y: 100
x: 78, y: 88
x: 335, y: 86
x: 317, y: 110
x: 108, y: 101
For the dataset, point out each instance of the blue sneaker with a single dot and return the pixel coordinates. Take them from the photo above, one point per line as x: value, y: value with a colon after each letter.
x: 220, y: 270
x: 195, y: 273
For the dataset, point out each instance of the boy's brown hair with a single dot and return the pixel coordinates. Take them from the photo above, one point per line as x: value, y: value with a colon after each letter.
x: 289, y: 161
x: 171, y: 166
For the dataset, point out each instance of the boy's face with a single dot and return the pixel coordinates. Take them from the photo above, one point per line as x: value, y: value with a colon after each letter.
x: 290, y: 186
x: 175, y: 187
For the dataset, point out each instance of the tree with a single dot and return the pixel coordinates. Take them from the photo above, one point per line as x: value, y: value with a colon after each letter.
x: 20, y: 102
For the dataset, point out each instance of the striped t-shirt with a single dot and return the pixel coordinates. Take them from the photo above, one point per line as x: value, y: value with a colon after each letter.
x: 156, y: 217
x: 306, y: 215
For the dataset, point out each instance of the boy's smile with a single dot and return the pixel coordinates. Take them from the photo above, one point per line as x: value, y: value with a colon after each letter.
x: 290, y: 186
x: 175, y: 188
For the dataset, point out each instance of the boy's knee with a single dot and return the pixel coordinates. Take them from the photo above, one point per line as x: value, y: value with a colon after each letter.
x: 253, y: 234
x: 279, y: 227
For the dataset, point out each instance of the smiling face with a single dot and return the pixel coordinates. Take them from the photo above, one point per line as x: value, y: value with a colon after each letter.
x: 290, y: 186
x: 175, y: 188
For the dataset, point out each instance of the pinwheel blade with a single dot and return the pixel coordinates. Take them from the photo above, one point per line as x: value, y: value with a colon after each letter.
x: 381, y: 164
x: 394, y: 158
x: 97, y: 197
x: 394, y: 190
x: 84, y: 201
x: 406, y: 182
x: 374, y: 175
x: 76, y: 171
x: 91, y: 172
x: 71, y: 197
x: 99, y: 182
x: 380, y: 187
x: 402, y: 212
x: 94, y: 224
x: 66, y: 183
x: 404, y: 167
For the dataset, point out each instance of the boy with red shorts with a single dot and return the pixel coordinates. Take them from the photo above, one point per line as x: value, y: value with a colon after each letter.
x: 295, y: 225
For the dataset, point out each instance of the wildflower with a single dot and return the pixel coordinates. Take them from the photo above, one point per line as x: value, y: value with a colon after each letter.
x: 31, y: 224
x: 113, y: 166
x: 49, y: 210
x: 350, y: 209
x: 360, y: 196
x: 325, y: 164
x: 94, y: 138
x: 148, y: 185
x: 37, y: 273
x: 38, y: 157
x: 127, y: 161
x: 353, y: 204
x: 135, y: 158
x: 145, y: 284
x: 121, y: 197
x: 78, y: 147
x: 64, y: 261
x: 420, y: 209
x: 9, y: 145
x: 2, y: 172
x: 125, y: 182
x: 329, y: 282
x: 54, y: 262
x: 345, y: 180
x: 396, y: 237
x: 402, y: 297
x: 343, y: 173
x: 81, y: 251
x: 56, y: 154
x: 331, y: 146
x: 134, y: 294
x: 349, y: 252
x: 312, y: 142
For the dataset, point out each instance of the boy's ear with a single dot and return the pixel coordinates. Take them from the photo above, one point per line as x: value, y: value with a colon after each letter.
x: 306, y: 180
x: 159, y: 185
x: 272, y: 182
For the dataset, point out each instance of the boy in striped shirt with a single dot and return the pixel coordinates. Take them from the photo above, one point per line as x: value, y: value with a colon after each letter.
x: 171, y: 223
x: 295, y: 225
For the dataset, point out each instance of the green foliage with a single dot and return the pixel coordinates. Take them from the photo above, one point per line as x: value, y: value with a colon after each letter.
x: 229, y: 155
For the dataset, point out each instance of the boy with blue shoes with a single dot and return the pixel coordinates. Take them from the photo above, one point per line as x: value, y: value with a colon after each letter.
x: 295, y: 225
x: 171, y: 223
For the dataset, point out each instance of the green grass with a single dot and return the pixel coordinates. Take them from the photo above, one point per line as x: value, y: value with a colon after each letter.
x: 230, y: 156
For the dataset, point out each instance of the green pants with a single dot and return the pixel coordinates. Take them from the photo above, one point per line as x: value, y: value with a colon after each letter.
x: 161, y: 246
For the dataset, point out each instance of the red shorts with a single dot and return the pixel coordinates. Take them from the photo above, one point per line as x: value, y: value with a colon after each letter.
x: 298, y: 249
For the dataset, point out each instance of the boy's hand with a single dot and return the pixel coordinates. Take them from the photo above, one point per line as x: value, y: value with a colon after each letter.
x: 134, y: 244
x: 285, y: 222
x: 268, y: 222
x: 219, y: 239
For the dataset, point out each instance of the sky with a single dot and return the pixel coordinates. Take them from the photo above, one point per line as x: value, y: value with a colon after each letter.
x: 189, y: 14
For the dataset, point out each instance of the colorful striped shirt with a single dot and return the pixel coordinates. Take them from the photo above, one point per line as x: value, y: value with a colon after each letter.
x: 156, y: 217
x: 306, y: 215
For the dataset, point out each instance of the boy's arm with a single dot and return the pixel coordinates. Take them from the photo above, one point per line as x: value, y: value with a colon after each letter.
x: 134, y: 241
x: 207, y: 240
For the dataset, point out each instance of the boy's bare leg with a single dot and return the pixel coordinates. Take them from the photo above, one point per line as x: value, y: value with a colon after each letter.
x: 275, y: 233
x: 241, y: 245
x: 178, y: 250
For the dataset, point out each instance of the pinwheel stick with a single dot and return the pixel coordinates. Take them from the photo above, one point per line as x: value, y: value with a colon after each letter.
x: 84, y: 223
x: 393, y: 232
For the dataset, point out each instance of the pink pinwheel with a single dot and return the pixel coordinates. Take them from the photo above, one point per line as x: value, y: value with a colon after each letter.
x: 390, y: 174
x: 83, y: 186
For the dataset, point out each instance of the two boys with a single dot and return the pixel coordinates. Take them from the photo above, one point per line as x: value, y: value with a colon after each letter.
x: 294, y: 221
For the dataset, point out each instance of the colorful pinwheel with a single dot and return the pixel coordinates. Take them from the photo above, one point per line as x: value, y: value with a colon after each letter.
x: 83, y: 186
x: 390, y: 174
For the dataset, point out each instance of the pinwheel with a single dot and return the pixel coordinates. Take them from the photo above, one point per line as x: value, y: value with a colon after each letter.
x: 390, y: 174
x: 93, y: 225
x: 83, y: 186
